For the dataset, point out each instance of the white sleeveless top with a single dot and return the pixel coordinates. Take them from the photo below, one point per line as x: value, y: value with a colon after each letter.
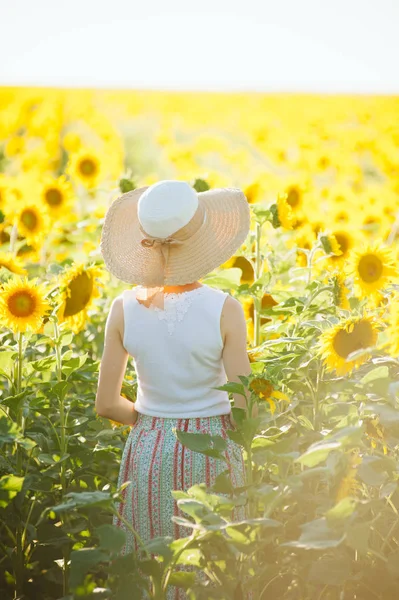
x: 177, y: 353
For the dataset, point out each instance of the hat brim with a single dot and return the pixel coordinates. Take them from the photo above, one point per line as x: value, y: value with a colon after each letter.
x: 225, y: 229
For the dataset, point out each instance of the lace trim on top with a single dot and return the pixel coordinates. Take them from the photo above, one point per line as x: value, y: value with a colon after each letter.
x: 176, y: 306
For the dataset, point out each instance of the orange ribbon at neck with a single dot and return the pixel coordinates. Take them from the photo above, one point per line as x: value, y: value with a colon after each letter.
x: 154, y: 295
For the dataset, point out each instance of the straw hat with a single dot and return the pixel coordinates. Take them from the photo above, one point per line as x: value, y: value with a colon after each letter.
x: 169, y: 234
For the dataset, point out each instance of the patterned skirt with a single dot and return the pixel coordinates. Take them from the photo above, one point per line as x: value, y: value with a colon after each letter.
x: 155, y: 463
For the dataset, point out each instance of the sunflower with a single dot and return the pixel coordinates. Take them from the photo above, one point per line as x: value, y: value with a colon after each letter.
x: 373, y: 268
x: 337, y: 343
x: 86, y: 166
x: 253, y: 192
x: 79, y: 287
x: 23, y: 304
x: 373, y: 221
x: 4, y: 235
x: 282, y: 212
x: 264, y: 390
x: 12, y: 263
x: 33, y: 222
x: 330, y: 244
x: 346, y: 241
x: 240, y: 262
x: 295, y: 191
x: 57, y: 196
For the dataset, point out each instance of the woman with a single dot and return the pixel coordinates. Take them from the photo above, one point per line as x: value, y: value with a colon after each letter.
x: 185, y: 338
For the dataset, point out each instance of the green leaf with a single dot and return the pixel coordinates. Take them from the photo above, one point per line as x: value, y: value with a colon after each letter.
x: 151, y: 567
x: 199, y: 512
x: 10, y: 485
x: 319, y: 451
x: 160, y: 546
x: 7, y: 361
x: 210, y: 445
x: 232, y: 387
x: 261, y: 213
x: 216, y: 502
x: 260, y: 284
x: 182, y: 579
x: 239, y: 415
x: 9, y: 431
x: 224, y: 279
x: 66, y: 338
x: 244, y: 380
x: 257, y: 368
x: 237, y: 437
x: 191, y: 556
x: 74, y: 364
x: 222, y: 483
x: 45, y: 364
x: 249, y: 427
x: 112, y: 538
x: 372, y: 471
x: 377, y: 373
x: 61, y: 388
x: 341, y: 511
x: 78, y: 500
x: 15, y: 401
x: 82, y: 561
x: 317, y: 535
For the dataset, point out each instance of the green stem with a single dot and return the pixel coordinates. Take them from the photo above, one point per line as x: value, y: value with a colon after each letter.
x: 133, y: 531
x: 63, y: 450
x: 313, y: 296
x: 19, y: 565
x: 173, y: 562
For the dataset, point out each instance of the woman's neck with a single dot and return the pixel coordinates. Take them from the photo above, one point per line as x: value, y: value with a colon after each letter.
x: 175, y: 289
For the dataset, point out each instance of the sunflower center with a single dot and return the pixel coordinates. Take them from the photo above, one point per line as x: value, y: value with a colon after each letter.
x: 324, y: 162
x: 80, y: 289
x: 262, y: 387
x: 29, y: 219
x: 342, y: 217
x: 370, y: 268
x: 293, y: 197
x: 21, y: 304
x: 242, y: 263
x: 360, y: 337
x: 53, y: 197
x: 87, y: 167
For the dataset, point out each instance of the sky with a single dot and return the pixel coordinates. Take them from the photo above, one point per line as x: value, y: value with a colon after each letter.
x: 340, y: 46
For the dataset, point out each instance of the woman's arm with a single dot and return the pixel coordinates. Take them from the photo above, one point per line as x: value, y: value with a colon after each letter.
x: 109, y: 402
x: 235, y: 356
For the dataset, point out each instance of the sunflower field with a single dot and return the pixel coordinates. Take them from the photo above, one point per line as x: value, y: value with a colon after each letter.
x: 318, y: 279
